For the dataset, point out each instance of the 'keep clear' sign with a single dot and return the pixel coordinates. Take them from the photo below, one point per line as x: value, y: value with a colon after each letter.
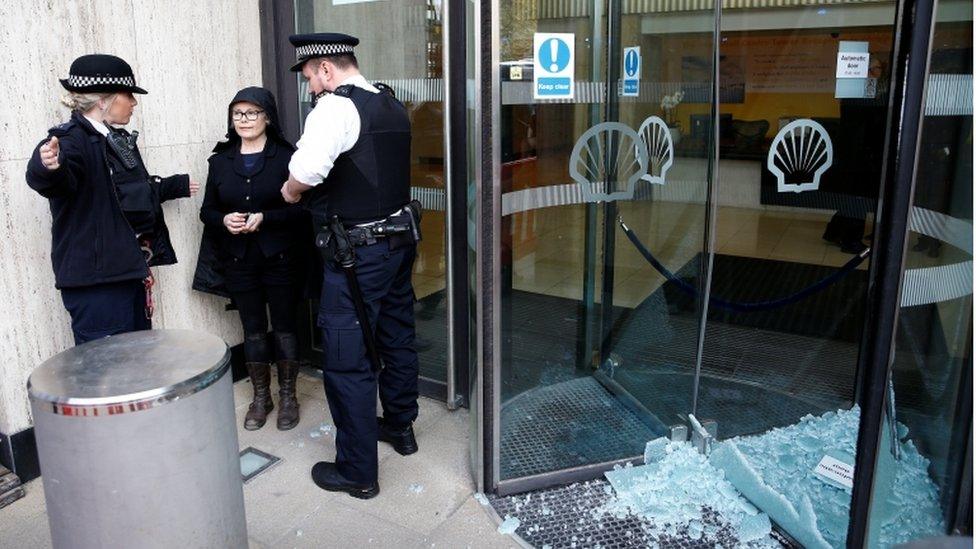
x: 632, y: 70
x: 555, y: 61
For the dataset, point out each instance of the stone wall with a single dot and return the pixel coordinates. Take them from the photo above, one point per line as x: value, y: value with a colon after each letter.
x: 192, y: 57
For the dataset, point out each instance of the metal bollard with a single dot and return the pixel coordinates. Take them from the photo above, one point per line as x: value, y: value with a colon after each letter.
x: 137, y: 442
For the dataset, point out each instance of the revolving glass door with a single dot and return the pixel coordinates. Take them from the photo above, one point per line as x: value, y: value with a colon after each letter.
x: 687, y: 200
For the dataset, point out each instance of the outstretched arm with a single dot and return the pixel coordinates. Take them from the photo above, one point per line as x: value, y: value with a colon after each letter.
x: 55, y: 167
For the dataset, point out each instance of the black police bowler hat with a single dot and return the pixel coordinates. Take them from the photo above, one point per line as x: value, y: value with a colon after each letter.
x: 100, y: 73
x: 320, y: 44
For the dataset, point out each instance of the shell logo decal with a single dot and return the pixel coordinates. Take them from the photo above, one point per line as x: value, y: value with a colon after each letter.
x: 799, y: 156
x: 607, y: 162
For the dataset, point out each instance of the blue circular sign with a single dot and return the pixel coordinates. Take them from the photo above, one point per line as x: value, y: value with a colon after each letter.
x: 631, y: 63
x: 553, y: 55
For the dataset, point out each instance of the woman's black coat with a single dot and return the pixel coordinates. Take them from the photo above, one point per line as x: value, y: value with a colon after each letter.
x: 229, y: 190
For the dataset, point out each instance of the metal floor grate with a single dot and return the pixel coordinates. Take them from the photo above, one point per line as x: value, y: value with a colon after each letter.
x: 567, y: 424
x: 568, y: 516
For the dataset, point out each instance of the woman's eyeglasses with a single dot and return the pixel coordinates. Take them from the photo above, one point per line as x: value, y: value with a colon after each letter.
x: 250, y: 116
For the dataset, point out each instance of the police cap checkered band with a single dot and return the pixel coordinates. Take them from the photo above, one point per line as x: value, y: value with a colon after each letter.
x: 318, y: 50
x: 78, y: 81
x: 98, y: 72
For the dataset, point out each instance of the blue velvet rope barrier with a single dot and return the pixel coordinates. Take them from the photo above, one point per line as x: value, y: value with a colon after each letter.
x: 744, y: 307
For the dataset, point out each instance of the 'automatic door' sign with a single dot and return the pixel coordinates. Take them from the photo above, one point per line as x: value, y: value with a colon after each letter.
x: 632, y: 68
x: 554, y: 65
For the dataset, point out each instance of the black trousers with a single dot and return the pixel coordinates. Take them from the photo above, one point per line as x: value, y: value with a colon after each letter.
x: 106, y: 309
x: 350, y: 384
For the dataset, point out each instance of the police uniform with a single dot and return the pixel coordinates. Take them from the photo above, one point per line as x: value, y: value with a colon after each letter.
x: 107, y: 221
x: 355, y: 153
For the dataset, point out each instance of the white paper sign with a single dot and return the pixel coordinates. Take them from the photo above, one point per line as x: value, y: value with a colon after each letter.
x: 833, y: 469
x: 853, y: 64
x: 554, y: 65
x: 632, y: 71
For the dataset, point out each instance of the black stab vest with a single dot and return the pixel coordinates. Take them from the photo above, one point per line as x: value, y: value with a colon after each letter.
x: 372, y: 180
x: 131, y: 183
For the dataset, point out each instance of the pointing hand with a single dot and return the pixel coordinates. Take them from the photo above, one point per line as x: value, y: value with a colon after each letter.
x: 50, y: 153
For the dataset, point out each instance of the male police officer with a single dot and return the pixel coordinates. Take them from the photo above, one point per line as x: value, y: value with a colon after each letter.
x: 353, y: 165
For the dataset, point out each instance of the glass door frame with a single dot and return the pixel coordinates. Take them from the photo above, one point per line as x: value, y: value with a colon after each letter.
x: 278, y: 21
x: 912, y: 38
x: 486, y: 464
x: 914, y: 29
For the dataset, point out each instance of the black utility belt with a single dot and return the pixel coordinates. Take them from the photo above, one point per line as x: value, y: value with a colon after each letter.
x: 337, y: 241
x: 399, y: 225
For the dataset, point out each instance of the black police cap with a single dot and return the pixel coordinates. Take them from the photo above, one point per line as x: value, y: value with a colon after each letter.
x: 100, y: 73
x: 320, y: 44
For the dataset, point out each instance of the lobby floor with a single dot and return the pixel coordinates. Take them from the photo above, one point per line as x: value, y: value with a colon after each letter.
x: 426, y: 500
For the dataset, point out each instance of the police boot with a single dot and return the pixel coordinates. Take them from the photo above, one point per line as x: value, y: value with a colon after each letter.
x: 287, y: 379
x: 256, y: 361
x: 327, y: 477
x: 401, y: 438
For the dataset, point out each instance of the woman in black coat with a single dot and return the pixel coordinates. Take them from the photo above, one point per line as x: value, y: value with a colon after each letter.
x: 252, y: 238
x: 107, y: 220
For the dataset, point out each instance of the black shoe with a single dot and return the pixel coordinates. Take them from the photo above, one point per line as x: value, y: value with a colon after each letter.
x: 401, y: 438
x: 327, y: 477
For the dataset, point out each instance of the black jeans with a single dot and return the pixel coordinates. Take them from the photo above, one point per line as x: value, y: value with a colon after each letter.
x: 254, y: 305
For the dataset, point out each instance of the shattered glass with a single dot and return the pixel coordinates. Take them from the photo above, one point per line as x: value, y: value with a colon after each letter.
x: 776, y: 471
x: 680, y: 493
x: 680, y: 498
x: 509, y: 525
x: 553, y: 517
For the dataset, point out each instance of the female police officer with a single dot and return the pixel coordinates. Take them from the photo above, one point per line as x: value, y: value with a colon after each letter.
x: 255, y: 240
x: 108, y: 226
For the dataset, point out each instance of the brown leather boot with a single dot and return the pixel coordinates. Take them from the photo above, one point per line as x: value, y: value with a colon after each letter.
x: 287, y: 378
x: 257, y: 412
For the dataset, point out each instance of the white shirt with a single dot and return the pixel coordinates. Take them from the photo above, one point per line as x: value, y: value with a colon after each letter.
x: 99, y: 127
x: 331, y: 129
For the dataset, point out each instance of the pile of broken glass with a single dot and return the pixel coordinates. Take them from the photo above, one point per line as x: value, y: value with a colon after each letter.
x: 746, y: 483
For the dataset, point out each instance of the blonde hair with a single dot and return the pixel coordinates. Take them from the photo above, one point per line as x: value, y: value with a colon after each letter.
x: 82, y: 102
